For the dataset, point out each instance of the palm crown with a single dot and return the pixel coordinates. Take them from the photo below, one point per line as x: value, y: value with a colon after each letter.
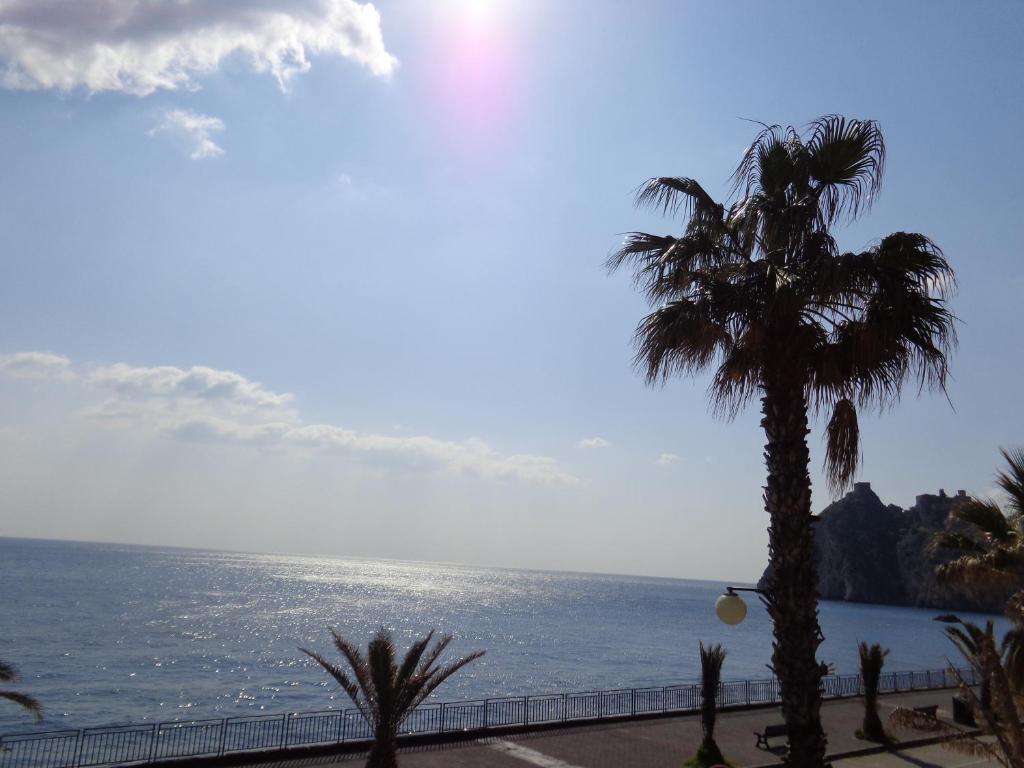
x: 760, y: 283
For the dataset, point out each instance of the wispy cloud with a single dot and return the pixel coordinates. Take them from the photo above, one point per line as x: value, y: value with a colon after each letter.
x: 194, y: 130
x: 35, y: 365
x: 217, y: 406
x: 667, y: 459
x: 141, y: 47
x: 593, y: 442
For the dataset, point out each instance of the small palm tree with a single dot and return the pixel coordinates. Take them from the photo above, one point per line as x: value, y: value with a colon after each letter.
x: 711, y: 660
x: 8, y: 674
x: 386, y: 692
x: 872, y: 659
x: 989, y: 542
x: 757, y: 291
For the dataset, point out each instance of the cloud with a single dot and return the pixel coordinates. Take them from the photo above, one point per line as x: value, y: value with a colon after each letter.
x: 35, y: 365
x: 593, y: 442
x: 198, y: 382
x: 667, y: 459
x: 202, y: 404
x: 141, y: 46
x: 194, y: 129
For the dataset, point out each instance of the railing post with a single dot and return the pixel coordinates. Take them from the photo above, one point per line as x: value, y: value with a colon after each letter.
x: 284, y: 730
x: 565, y: 707
x: 632, y: 708
x: 152, y: 742
x: 487, y: 708
x: 223, y: 736
x: 79, y: 745
x: 444, y: 707
x: 526, y: 710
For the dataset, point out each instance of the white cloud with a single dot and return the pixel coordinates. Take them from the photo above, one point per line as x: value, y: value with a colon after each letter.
x: 667, y: 459
x: 35, y: 365
x: 140, y: 46
x: 198, y: 382
x: 211, y: 405
x: 194, y: 129
x: 593, y: 442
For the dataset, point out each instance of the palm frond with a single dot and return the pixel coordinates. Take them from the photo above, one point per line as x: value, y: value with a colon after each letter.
x: 986, y: 517
x: 24, y: 701
x: 8, y: 673
x: 439, y: 675
x: 669, y: 194
x: 356, y: 662
x: 1011, y: 480
x: 380, y: 659
x: 343, y: 680
x: 842, y: 446
x: 678, y: 337
x: 412, y: 658
x: 847, y: 160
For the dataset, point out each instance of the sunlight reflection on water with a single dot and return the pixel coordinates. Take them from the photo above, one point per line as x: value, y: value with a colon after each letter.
x: 106, y: 633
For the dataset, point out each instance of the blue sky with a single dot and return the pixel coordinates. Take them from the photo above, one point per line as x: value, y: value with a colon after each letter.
x: 399, y: 221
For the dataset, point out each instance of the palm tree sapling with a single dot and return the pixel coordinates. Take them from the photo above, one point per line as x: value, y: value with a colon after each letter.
x: 711, y: 660
x: 872, y: 659
x: 385, y: 692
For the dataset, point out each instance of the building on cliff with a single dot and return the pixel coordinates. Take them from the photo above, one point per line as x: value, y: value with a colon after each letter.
x: 870, y: 552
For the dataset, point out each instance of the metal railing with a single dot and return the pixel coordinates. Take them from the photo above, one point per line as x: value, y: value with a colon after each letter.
x: 154, y: 742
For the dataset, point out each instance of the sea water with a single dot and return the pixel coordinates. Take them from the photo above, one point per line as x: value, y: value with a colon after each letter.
x: 105, y: 633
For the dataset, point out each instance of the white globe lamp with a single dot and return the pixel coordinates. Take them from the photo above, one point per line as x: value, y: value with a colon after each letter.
x: 730, y: 608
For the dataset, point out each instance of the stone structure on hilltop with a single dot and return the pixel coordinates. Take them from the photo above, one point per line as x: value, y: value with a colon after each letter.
x: 870, y: 552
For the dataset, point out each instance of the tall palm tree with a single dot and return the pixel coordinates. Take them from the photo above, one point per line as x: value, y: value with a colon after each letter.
x: 711, y: 660
x: 386, y: 692
x: 989, y: 542
x: 8, y: 674
x: 758, y: 290
x: 872, y: 659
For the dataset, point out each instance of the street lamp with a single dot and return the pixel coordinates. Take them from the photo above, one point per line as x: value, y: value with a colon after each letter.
x: 730, y: 607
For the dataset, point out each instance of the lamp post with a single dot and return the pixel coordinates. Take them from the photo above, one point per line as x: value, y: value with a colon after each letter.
x: 730, y: 608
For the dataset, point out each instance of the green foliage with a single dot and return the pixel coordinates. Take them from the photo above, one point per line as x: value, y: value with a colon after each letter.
x: 386, y: 692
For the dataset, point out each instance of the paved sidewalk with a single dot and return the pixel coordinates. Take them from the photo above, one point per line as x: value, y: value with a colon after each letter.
x: 667, y: 742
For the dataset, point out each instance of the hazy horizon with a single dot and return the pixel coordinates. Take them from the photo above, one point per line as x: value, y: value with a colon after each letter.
x: 342, y: 292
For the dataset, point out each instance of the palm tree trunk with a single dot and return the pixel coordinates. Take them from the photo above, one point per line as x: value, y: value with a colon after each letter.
x: 872, y: 725
x: 384, y: 753
x: 793, y: 579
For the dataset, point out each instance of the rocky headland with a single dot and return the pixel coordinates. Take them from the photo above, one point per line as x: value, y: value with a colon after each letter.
x: 870, y: 552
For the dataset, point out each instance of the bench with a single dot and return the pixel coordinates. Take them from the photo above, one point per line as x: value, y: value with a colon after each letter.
x: 930, y: 711
x: 771, y: 731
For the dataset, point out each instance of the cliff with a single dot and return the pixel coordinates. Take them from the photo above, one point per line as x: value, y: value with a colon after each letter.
x: 870, y: 552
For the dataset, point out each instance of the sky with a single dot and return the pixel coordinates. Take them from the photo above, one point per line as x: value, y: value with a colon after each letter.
x: 326, y: 277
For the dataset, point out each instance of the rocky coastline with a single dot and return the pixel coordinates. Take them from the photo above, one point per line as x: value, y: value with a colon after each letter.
x: 871, y: 552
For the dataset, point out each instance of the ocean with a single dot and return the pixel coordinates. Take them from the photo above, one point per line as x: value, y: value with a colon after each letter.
x: 106, y: 633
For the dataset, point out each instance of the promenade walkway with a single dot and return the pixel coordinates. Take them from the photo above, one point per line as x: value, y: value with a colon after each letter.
x: 668, y: 742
